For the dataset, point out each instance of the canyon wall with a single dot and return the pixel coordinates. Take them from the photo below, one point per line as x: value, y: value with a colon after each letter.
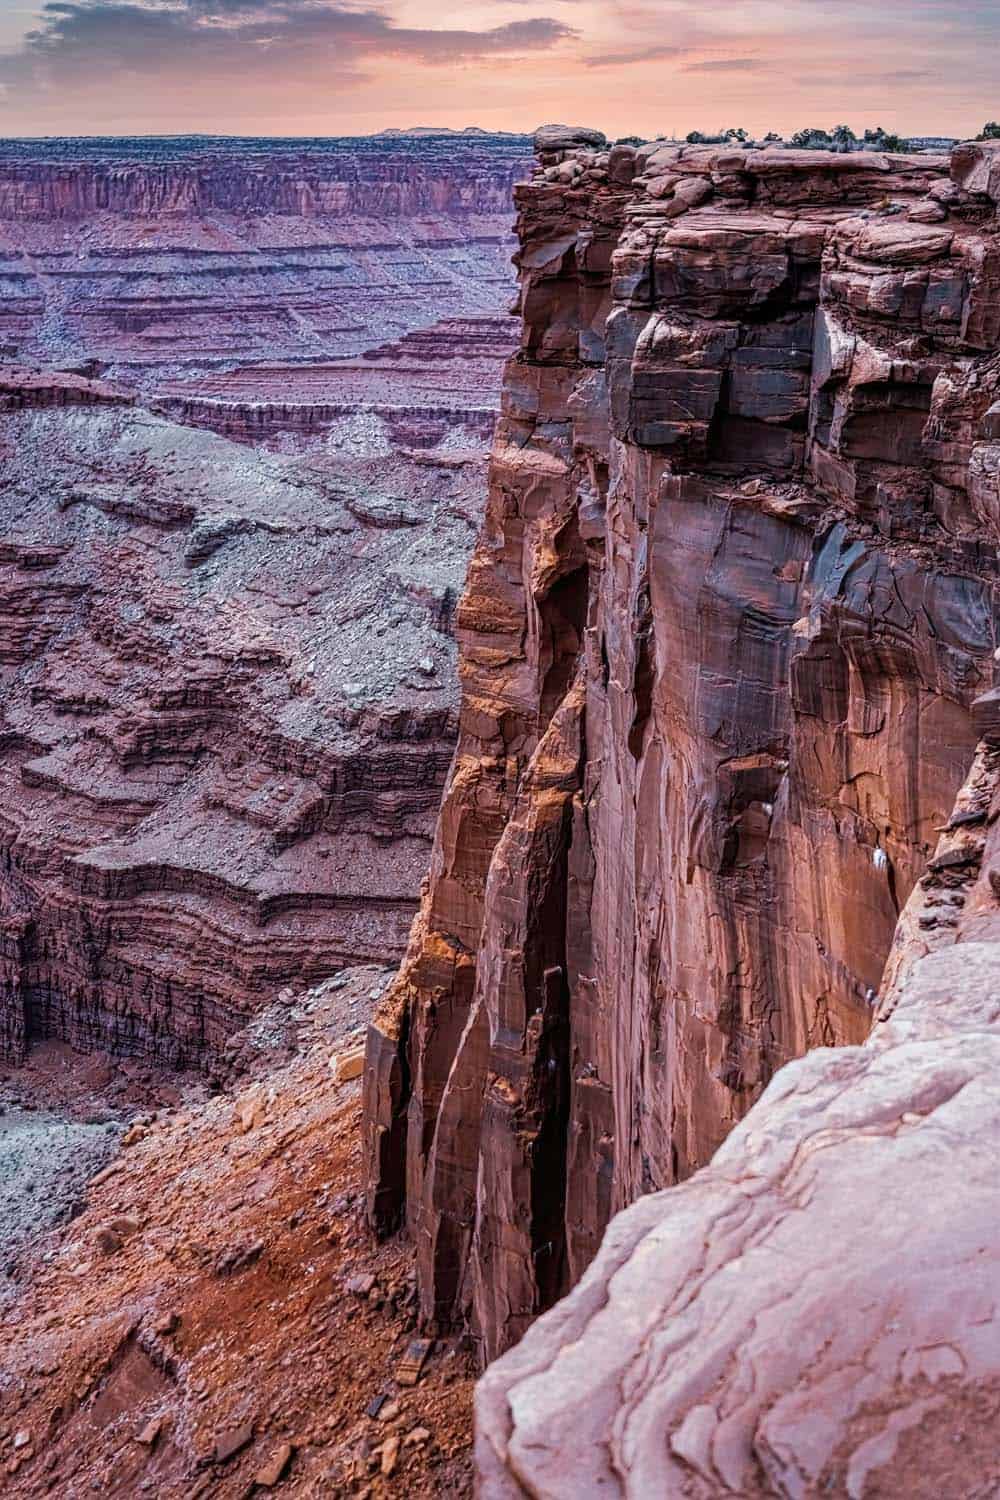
x: 262, y: 287
x: 227, y: 709
x: 731, y: 607
x: 814, y: 1313
x: 383, y: 176
x: 227, y: 690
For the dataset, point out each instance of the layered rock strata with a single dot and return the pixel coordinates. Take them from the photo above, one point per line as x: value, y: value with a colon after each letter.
x: 227, y: 704
x: 815, y: 1312
x: 262, y: 288
x: 227, y: 709
x: 732, y: 604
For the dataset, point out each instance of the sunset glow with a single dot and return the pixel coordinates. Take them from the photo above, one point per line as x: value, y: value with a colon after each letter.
x: 294, y: 67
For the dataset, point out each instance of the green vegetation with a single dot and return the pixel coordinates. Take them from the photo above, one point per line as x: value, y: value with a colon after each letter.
x: 879, y: 140
x: 720, y: 138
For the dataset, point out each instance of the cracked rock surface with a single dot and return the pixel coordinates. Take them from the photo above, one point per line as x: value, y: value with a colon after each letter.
x: 815, y: 1312
x: 726, y: 650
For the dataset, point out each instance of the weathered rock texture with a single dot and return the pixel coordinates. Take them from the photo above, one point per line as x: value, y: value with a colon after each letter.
x: 227, y: 709
x: 261, y: 288
x: 213, y: 1317
x: 734, y: 598
x: 815, y: 1313
x: 227, y: 699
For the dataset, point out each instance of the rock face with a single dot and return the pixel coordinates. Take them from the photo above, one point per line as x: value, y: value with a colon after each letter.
x: 816, y: 1311
x: 227, y: 699
x: 194, y: 175
x: 228, y: 709
x: 258, y: 288
x: 733, y: 600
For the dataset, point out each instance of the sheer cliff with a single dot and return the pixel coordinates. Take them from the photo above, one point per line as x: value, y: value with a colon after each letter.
x: 722, y: 638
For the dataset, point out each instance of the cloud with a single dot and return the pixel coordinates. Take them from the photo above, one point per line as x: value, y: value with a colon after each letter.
x: 321, y: 65
x: 80, y: 41
x: 633, y: 55
x: 726, y: 65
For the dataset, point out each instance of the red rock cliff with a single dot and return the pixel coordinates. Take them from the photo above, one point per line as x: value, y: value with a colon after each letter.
x: 732, y: 603
x: 184, y: 176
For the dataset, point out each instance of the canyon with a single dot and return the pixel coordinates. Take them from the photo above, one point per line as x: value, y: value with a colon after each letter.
x: 248, y: 392
x: 565, y: 957
x: 727, y: 744
x: 260, y: 287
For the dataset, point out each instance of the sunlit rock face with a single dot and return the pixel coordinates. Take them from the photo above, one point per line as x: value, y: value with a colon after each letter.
x: 733, y: 601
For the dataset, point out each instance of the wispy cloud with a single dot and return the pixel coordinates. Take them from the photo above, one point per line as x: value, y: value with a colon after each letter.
x: 239, y: 39
x: 633, y: 55
x: 625, y: 65
x: 727, y: 65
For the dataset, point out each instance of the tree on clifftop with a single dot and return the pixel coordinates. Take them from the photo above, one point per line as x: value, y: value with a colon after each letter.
x: 989, y: 132
x: 699, y: 138
x: 813, y: 138
x: 880, y: 140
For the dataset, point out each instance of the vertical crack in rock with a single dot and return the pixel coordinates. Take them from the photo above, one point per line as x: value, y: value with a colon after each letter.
x: 752, y: 426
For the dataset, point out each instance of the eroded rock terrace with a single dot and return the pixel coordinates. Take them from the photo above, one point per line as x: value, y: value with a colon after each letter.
x: 248, y: 392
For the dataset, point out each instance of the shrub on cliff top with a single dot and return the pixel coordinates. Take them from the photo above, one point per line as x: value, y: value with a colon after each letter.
x: 880, y: 140
x: 720, y: 138
x: 812, y: 139
x: 989, y: 132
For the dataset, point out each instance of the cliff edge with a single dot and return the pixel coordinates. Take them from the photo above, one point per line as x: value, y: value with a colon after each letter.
x: 721, y: 646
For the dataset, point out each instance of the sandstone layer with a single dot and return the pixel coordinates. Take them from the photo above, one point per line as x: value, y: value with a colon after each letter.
x: 226, y: 714
x: 260, y: 287
x: 732, y: 605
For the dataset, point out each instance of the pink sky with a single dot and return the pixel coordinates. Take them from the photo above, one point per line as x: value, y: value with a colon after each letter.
x: 646, y: 67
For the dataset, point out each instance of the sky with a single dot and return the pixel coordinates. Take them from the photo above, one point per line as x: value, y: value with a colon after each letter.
x: 350, y: 67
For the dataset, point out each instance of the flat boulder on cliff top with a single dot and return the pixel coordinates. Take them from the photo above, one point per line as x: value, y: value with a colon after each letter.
x: 565, y: 137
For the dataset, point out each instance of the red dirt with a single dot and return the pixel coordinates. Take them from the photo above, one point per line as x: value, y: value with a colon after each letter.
x: 228, y: 1304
